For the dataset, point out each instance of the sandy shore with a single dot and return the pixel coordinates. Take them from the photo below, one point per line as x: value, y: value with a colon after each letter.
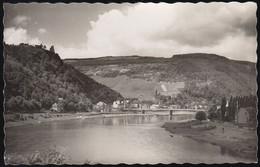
x: 241, y: 142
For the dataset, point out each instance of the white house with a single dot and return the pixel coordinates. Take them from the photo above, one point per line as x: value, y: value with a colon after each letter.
x: 101, y: 106
x: 116, y: 104
x: 101, y: 103
x: 154, y: 106
x: 55, y: 107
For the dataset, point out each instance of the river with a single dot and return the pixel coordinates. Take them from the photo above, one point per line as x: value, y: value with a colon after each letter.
x: 128, y: 139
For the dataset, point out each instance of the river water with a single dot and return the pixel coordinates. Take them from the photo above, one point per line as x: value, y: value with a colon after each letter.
x: 128, y: 139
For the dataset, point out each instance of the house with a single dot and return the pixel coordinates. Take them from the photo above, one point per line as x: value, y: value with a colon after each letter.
x: 134, y: 105
x: 154, y: 106
x: 205, y: 107
x: 101, y: 106
x: 55, y: 107
x: 242, y: 116
x: 116, y: 104
x: 204, y: 101
x: 144, y: 106
x: 175, y: 106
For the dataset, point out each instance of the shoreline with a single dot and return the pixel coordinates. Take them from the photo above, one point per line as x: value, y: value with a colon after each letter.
x: 237, y: 141
x: 15, y: 120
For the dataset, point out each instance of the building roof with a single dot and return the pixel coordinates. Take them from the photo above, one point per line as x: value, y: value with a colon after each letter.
x: 101, y: 103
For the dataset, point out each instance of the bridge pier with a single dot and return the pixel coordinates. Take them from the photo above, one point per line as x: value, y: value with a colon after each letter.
x: 170, y: 114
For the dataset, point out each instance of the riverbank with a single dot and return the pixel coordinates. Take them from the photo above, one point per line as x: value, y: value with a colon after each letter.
x: 13, y: 120
x: 241, y: 142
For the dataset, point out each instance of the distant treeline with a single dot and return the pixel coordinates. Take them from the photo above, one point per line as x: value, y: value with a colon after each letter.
x: 115, y: 60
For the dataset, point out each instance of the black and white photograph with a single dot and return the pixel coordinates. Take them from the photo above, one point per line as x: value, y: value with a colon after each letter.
x: 130, y: 83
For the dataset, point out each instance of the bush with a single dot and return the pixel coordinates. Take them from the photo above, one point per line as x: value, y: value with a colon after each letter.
x: 201, y: 115
x: 213, y: 116
x: 88, y: 162
x: 54, y: 155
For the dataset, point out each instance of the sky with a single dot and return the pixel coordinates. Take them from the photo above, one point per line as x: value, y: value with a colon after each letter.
x: 160, y: 30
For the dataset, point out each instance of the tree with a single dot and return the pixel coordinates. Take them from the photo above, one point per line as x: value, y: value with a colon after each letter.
x: 238, y: 102
x: 201, y: 115
x: 223, y: 108
x: 52, y: 49
x: 212, y: 112
x: 230, y: 109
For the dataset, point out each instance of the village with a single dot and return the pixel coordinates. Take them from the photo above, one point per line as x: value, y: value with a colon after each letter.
x: 133, y: 103
x: 242, y: 115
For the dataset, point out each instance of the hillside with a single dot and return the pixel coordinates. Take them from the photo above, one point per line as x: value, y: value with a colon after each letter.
x: 36, y: 78
x: 194, y: 76
x: 136, y: 87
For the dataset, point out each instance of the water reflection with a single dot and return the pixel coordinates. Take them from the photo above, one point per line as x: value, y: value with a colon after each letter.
x: 142, y: 119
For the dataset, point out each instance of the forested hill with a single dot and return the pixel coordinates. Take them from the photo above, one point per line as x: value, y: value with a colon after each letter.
x: 195, y: 76
x: 37, y: 78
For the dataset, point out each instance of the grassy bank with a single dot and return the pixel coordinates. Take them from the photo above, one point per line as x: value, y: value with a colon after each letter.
x: 238, y: 141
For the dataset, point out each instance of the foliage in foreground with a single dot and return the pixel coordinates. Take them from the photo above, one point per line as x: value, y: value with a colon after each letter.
x: 54, y: 155
x: 89, y: 162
